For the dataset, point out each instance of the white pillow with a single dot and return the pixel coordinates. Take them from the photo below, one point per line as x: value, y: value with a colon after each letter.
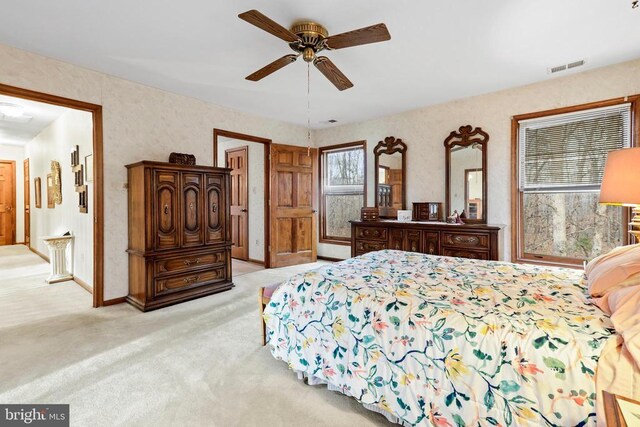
x: 618, y: 268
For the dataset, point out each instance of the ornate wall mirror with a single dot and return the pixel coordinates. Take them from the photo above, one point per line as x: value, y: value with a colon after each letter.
x: 466, y: 174
x: 390, y: 176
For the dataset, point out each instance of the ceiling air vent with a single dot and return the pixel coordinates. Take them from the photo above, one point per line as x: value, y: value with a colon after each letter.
x: 565, y: 67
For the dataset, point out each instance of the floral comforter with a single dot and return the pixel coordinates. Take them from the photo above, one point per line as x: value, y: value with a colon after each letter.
x: 445, y: 341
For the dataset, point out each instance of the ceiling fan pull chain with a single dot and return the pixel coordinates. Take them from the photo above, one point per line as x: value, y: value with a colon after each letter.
x: 308, y: 110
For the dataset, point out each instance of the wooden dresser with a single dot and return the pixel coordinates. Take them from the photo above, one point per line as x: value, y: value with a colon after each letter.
x: 477, y: 241
x: 179, y: 233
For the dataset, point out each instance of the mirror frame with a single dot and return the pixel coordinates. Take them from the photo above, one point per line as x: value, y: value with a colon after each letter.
x: 391, y: 145
x: 464, y: 137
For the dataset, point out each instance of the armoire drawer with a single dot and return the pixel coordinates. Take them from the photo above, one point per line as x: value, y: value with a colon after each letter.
x: 468, y: 240
x: 176, y: 264
x: 167, y: 285
x: 465, y: 253
x: 371, y: 233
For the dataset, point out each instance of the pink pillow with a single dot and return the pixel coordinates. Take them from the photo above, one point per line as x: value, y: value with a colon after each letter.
x: 624, y: 307
x: 618, y: 268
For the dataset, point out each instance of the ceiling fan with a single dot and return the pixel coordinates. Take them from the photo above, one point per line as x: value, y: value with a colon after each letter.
x: 307, y: 39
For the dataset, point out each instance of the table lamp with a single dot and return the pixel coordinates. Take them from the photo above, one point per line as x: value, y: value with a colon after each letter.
x: 621, y: 184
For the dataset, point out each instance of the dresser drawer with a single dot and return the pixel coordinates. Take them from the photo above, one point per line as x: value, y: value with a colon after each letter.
x: 371, y: 233
x: 168, y: 285
x: 364, y: 246
x: 465, y: 253
x: 467, y: 240
x: 176, y: 264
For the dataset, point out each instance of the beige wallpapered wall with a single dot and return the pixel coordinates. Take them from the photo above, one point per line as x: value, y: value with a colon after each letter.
x: 140, y: 122
x: 425, y: 130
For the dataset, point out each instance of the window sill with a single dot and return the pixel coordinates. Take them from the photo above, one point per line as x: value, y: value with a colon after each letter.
x: 548, y: 263
x: 336, y: 242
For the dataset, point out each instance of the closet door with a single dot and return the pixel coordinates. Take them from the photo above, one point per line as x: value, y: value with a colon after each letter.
x: 192, y: 224
x: 215, y: 208
x: 165, y: 209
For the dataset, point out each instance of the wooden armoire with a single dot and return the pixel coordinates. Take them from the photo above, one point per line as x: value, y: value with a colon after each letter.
x: 179, y: 233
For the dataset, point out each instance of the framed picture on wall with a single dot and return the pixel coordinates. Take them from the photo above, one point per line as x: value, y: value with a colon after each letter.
x: 38, y: 192
x: 88, y: 168
x: 50, y: 190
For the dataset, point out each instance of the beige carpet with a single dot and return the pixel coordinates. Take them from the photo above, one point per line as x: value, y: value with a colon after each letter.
x: 194, y: 364
x: 240, y: 268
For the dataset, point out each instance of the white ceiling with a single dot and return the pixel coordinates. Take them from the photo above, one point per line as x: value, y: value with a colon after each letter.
x: 37, y: 116
x: 439, y: 50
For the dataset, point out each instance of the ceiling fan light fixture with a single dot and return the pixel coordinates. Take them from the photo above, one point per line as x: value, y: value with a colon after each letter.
x: 11, y: 110
x: 307, y: 39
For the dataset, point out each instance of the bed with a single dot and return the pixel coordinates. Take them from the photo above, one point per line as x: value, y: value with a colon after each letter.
x: 445, y: 341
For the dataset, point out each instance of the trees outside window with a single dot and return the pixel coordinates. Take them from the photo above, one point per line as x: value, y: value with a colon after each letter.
x: 343, y: 189
x: 559, y: 160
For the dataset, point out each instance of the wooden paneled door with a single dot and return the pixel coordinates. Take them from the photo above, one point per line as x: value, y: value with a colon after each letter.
x: 7, y: 202
x: 27, y: 205
x: 237, y: 160
x: 293, y: 205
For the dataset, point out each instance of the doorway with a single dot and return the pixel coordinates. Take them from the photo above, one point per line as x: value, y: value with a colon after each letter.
x: 94, y: 160
x: 248, y: 156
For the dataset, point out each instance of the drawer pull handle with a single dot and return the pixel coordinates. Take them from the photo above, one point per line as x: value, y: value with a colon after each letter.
x: 166, y: 209
x: 191, y: 279
x: 189, y: 262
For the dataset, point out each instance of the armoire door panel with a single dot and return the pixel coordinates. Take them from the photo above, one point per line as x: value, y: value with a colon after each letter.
x: 214, y: 209
x: 166, y: 209
x: 192, y: 230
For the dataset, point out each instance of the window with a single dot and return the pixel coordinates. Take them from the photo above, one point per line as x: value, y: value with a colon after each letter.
x: 558, y: 166
x: 343, y: 183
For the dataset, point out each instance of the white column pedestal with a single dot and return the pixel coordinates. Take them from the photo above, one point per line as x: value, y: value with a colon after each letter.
x: 58, y: 258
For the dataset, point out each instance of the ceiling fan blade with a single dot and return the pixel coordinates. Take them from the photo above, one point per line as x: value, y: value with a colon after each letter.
x: 264, y: 23
x: 373, y: 34
x: 272, y: 68
x: 331, y: 72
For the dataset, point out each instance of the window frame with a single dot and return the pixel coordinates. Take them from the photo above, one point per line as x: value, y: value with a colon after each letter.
x: 324, y: 238
x: 517, y: 197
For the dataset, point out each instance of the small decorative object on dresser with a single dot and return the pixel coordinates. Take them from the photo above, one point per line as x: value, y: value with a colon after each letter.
x: 369, y: 214
x: 404, y: 215
x: 427, y: 211
x: 182, y: 159
x: 179, y: 233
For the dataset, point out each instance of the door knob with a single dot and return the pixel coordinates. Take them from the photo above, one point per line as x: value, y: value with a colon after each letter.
x: 313, y: 211
x: 243, y: 210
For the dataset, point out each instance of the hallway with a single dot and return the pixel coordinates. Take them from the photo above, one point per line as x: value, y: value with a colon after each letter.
x: 23, y: 290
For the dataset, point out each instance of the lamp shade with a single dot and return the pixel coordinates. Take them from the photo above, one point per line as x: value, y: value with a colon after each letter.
x: 621, y: 180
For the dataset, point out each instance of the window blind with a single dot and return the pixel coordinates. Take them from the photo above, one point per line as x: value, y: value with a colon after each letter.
x: 567, y: 152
